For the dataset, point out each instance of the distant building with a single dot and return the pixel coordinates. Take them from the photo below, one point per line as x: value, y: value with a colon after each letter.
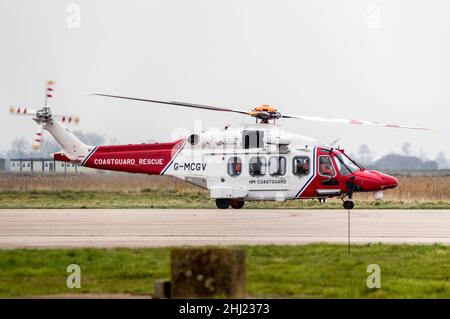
x: 44, y: 165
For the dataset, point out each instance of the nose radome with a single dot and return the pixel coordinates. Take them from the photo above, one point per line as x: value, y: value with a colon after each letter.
x: 375, y: 181
x: 389, y: 181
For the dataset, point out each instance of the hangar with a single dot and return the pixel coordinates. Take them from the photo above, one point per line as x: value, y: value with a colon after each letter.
x: 43, y: 166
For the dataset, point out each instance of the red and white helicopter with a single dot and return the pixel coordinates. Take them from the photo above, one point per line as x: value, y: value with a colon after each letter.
x: 250, y: 162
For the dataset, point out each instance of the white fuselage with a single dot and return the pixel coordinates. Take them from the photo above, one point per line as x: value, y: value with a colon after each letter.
x: 207, y: 162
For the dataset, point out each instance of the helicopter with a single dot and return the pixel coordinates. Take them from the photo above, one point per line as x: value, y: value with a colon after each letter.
x: 250, y: 162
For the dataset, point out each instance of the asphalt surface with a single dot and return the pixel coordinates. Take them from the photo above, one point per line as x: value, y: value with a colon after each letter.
x: 47, y: 228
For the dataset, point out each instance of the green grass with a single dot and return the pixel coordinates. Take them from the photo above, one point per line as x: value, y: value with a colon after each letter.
x: 174, y: 199
x: 309, y: 271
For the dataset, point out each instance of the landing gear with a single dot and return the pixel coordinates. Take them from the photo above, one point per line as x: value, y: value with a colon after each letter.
x: 237, y: 204
x: 348, y: 204
x: 223, y: 203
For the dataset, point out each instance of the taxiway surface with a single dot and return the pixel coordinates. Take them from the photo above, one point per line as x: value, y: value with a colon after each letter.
x: 48, y: 228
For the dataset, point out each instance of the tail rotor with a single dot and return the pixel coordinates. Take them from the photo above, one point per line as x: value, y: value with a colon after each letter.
x: 44, y: 115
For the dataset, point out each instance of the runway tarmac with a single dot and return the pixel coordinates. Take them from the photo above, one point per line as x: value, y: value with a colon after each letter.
x: 46, y: 228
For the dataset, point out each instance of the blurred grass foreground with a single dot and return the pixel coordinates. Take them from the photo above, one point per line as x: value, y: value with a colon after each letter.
x: 307, y: 271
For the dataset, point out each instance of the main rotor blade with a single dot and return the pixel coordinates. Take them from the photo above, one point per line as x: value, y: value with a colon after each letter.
x: 192, y: 105
x: 347, y: 121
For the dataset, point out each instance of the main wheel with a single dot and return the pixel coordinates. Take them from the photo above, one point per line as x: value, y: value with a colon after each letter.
x: 348, y: 204
x: 223, y: 203
x: 237, y: 204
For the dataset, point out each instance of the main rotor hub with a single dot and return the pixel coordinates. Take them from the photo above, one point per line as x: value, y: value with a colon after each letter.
x: 265, y: 113
x: 266, y: 108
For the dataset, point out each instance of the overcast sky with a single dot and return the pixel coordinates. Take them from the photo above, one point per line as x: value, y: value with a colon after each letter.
x: 376, y: 60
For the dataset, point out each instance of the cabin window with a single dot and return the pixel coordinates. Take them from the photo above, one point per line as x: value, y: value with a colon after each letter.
x: 257, y: 166
x: 301, y: 165
x: 326, y: 167
x: 28, y: 165
x: 277, y: 166
x: 252, y: 139
x: 13, y: 164
x: 234, y: 166
x: 46, y: 164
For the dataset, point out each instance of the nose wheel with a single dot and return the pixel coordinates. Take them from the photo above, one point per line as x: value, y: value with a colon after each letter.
x: 348, y: 204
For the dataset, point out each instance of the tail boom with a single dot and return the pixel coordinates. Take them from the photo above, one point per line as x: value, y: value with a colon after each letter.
x: 134, y: 158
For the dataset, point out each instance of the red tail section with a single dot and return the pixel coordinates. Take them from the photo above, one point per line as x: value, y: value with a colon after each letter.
x: 134, y: 158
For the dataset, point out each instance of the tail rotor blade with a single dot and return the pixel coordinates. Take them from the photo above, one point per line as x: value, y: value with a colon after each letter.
x: 70, y: 119
x: 22, y: 111
x: 37, y: 138
x: 49, y: 92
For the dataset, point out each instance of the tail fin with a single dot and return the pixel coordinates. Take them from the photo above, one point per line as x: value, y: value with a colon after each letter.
x: 73, y: 148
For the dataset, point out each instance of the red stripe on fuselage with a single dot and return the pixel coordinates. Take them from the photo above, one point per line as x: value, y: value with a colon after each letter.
x: 134, y: 158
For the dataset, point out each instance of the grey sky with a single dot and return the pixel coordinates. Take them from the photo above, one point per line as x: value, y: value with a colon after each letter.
x: 375, y: 60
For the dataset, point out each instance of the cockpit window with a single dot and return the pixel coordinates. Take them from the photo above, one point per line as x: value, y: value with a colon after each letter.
x: 345, y: 165
x: 325, y: 166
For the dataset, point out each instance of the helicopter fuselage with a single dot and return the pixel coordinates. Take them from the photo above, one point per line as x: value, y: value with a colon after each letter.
x: 247, y: 163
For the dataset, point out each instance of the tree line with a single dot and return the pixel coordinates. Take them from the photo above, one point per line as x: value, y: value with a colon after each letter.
x: 406, y: 160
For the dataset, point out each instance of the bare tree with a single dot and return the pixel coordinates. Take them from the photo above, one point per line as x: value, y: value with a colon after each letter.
x: 20, y: 147
x: 406, y: 148
x: 442, y: 161
x: 90, y: 138
x: 365, y: 155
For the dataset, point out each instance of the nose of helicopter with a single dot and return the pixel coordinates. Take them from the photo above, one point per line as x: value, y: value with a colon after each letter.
x: 388, y: 181
x: 375, y: 181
